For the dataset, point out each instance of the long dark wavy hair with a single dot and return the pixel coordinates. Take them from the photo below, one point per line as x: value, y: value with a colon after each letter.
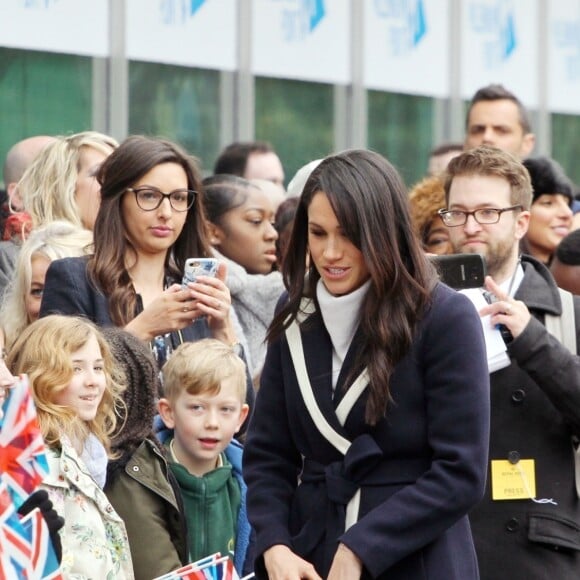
x: 107, y: 267
x: 370, y: 202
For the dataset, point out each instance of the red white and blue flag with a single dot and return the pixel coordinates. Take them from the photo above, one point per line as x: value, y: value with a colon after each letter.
x: 26, y: 551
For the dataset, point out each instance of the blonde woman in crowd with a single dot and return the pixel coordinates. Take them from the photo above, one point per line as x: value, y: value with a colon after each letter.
x: 60, y: 184
x: 53, y: 241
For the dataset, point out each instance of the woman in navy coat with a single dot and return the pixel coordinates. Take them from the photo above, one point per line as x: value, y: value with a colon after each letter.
x: 368, y: 445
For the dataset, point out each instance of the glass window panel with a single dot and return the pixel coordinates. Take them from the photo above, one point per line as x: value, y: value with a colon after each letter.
x: 296, y: 118
x: 400, y: 127
x: 43, y: 93
x: 177, y: 103
x: 566, y: 145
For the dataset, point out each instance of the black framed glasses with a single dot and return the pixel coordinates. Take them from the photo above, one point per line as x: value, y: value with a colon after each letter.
x: 149, y: 198
x: 483, y: 216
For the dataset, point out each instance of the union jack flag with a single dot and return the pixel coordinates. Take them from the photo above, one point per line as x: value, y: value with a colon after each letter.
x: 23, y: 461
x: 25, y: 548
x: 214, y: 567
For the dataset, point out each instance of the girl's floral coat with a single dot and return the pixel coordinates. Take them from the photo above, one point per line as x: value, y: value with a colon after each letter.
x: 94, y: 539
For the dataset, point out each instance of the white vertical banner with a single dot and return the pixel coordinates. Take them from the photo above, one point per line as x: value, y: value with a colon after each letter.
x: 302, y: 39
x: 406, y: 46
x: 564, y: 56
x: 499, y: 44
x: 66, y: 26
x: 197, y: 33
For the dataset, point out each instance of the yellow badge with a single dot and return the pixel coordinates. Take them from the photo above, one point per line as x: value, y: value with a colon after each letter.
x: 513, y: 480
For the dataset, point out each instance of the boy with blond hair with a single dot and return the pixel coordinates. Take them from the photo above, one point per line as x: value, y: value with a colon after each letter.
x: 203, y: 407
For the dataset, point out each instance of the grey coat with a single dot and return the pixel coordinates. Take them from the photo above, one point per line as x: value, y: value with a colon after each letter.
x: 254, y: 297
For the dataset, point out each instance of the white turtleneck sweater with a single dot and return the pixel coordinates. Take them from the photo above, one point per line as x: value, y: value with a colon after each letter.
x: 341, y: 315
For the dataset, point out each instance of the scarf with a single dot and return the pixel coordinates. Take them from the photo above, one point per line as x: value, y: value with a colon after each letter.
x: 95, y: 458
x: 340, y: 315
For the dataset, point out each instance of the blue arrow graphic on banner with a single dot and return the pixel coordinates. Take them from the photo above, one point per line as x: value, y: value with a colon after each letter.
x: 509, y: 36
x: 316, y: 13
x: 420, y: 27
x: 196, y: 5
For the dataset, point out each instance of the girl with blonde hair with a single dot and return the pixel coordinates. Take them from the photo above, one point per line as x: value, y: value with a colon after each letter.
x: 70, y: 370
x: 53, y: 241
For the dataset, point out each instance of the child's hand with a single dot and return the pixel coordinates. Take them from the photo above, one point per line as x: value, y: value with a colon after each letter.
x: 39, y: 499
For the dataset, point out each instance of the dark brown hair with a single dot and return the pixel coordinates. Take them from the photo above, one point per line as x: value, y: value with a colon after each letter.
x: 128, y: 163
x: 370, y: 202
x: 496, y: 92
x: 234, y: 158
x: 222, y: 193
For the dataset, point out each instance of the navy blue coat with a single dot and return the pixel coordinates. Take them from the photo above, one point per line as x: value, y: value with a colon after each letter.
x: 423, y: 466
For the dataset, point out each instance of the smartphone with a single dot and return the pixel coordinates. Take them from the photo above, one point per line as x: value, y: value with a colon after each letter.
x: 195, y: 267
x: 460, y: 271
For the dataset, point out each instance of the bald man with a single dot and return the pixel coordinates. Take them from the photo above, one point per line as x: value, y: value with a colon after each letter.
x: 18, y: 158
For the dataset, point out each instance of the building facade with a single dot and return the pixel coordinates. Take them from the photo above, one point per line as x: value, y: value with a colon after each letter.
x: 310, y: 76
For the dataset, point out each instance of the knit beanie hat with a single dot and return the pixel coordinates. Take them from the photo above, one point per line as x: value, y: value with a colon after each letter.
x: 548, y: 177
x: 138, y: 372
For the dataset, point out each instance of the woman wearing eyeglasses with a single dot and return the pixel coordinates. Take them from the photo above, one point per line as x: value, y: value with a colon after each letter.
x: 149, y: 222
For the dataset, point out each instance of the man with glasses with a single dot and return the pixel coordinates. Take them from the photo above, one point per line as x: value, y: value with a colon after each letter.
x: 528, y: 524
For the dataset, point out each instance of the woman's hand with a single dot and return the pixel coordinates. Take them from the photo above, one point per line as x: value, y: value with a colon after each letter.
x: 212, y: 299
x: 346, y: 565
x: 283, y: 564
x: 172, y: 310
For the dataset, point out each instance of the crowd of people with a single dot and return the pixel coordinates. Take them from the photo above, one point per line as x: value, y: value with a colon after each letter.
x: 323, y: 406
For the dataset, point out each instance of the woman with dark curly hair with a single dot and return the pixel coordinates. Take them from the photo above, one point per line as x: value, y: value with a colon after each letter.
x: 425, y: 199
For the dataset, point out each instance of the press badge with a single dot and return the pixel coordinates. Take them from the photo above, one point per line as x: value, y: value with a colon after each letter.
x: 513, y: 480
